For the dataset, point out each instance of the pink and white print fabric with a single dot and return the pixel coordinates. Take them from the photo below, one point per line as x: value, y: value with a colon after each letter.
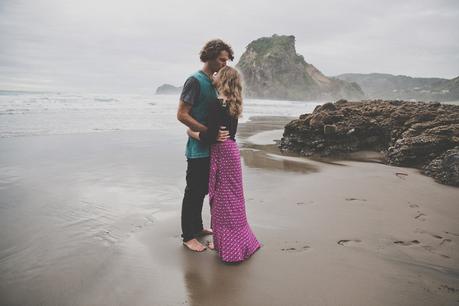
x: 233, y: 238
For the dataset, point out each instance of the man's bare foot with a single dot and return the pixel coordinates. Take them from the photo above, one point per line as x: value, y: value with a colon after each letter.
x: 205, y: 232
x: 210, y: 245
x: 194, y: 245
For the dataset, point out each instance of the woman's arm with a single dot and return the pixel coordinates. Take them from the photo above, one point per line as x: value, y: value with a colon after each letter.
x: 213, y: 132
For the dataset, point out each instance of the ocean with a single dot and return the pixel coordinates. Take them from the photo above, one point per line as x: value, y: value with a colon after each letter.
x: 27, y: 114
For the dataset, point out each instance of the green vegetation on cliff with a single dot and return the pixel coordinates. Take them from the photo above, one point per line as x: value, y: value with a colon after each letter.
x: 272, y: 69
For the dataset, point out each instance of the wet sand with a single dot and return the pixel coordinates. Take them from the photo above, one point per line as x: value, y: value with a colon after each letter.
x: 94, y: 219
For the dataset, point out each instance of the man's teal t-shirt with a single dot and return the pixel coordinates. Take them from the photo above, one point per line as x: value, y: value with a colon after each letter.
x: 200, y: 111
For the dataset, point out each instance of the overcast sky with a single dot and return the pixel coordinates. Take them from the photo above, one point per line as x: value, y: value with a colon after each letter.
x: 134, y: 46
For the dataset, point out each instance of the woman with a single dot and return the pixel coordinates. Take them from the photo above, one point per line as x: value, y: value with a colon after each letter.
x: 233, y: 238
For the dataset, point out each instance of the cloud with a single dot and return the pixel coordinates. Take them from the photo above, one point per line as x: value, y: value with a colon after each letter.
x: 135, y: 46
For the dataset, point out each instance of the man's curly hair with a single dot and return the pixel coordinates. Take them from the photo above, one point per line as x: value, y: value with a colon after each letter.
x: 212, y: 49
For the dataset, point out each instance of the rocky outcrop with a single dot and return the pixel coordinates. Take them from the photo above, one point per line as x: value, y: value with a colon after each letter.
x: 445, y: 168
x: 401, y: 87
x: 167, y: 89
x: 273, y: 70
x: 415, y: 134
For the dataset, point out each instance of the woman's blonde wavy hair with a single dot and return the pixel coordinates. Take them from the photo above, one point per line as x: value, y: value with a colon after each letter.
x: 229, y: 84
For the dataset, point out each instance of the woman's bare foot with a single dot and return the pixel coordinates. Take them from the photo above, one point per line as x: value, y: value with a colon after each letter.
x: 194, y: 245
x: 210, y: 245
x: 205, y: 232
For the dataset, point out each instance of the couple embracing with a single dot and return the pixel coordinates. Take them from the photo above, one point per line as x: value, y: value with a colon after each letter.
x: 210, y: 105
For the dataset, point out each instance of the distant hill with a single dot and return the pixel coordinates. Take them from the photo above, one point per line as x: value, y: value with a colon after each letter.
x: 272, y: 69
x: 167, y: 89
x: 449, y: 89
x: 401, y: 87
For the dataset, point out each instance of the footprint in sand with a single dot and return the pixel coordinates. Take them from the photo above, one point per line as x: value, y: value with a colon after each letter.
x: 420, y: 216
x: 107, y: 237
x: 446, y: 240
x: 448, y: 288
x: 356, y: 199
x: 401, y: 242
x: 425, y: 247
x: 429, y: 233
x: 401, y: 175
x: 296, y: 247
x: 450, y: 233
x: 292, y: 249
x: 428, y: 248
x: 413, y: 205
x: 348, y: 241
x: 304, y: 203
x: 433, y: 250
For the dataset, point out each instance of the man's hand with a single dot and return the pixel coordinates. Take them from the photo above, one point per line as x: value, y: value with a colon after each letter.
x: 223, y: 134
x: 193, y: 134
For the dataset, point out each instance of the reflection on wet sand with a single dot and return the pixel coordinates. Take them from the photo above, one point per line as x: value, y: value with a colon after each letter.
x: 260, y: 159
x: 257, y: 124
x: 262, y: 151
x: 209, y: 281
x: 259, y: 139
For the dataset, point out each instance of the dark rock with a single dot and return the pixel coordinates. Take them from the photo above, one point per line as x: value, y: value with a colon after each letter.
x: 445, y: 168
x: 167, y: 89
x: 415, y: 134
x: 329, y: 129
x: 328, y: 107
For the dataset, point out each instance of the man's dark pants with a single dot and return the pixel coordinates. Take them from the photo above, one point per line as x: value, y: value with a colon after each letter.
x: 197, y: 181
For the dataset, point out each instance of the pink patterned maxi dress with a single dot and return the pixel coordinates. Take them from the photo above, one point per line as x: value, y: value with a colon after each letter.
x: 233, y: 238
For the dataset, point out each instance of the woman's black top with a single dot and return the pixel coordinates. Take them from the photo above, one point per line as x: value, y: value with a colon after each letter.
x: 218, y: 116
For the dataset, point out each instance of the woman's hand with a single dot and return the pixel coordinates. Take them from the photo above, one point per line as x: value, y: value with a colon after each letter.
x: 223, y: 134
x: 193, y: 134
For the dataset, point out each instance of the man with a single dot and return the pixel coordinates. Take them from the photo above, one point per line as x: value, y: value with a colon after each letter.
x: 197, y: 93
